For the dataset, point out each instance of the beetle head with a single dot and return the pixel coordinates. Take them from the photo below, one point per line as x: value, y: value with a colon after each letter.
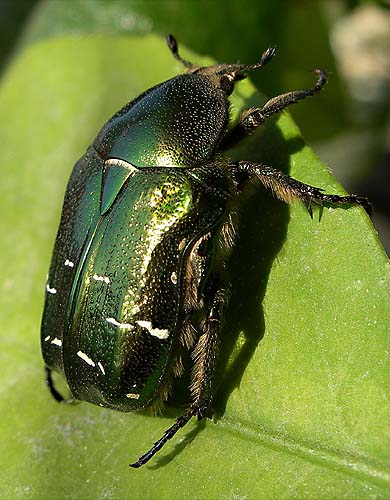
x: 222, y: 75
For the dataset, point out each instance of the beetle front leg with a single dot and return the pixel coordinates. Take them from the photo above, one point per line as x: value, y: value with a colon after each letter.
x: 286, y: 188
x: 254, y: 117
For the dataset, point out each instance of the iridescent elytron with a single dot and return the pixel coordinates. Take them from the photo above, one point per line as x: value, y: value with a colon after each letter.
x: 137, y: 274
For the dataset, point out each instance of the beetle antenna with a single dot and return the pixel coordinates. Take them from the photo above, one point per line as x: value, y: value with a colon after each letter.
x: 174, y: 48
x: 266, y: 56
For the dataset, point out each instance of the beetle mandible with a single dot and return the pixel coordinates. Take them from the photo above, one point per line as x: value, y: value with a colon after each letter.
x: 137, y: 273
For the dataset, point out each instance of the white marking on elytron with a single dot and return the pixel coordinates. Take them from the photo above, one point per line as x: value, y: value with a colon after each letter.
x: 125, y: 326
x: 174, y: 278
x: 85, y: 358
x: 132, y: 395
x: 69, y: 263
x: 51, y: 290
x: 56, y: 341
x: 97, y: 277
x: 156, y: 332
x: 47, y: 338
x: 112, y: 162
x: 101, y: 368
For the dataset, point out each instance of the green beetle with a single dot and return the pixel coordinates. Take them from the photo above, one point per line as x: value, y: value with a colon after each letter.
x: 137, y: 274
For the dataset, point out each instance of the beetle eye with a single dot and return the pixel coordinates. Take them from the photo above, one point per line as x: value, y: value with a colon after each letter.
x: 227, y: 84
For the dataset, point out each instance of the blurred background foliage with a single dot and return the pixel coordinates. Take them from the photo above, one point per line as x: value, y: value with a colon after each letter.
x: 348, y: 127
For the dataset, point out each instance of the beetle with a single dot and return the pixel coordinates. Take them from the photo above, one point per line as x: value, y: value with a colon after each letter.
x: 137, y: 276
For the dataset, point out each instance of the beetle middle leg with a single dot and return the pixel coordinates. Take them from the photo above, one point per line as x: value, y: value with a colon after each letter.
x: 50, y: 384
x: 252, y: 118
x: 286, y: 188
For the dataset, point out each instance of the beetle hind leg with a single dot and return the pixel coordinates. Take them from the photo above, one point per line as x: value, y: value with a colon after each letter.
x: 203, y: 376
x: 205, y: 356
x: 168, y: 434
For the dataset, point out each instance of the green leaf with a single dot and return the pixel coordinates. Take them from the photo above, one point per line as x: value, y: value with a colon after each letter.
x: 304, y: 365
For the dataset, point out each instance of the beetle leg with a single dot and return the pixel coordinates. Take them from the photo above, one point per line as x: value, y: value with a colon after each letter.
x: 168, y: 434
x: 204, y: 355
x: 49, y: 382
x: 254, y: 117
x: 286, y: 188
